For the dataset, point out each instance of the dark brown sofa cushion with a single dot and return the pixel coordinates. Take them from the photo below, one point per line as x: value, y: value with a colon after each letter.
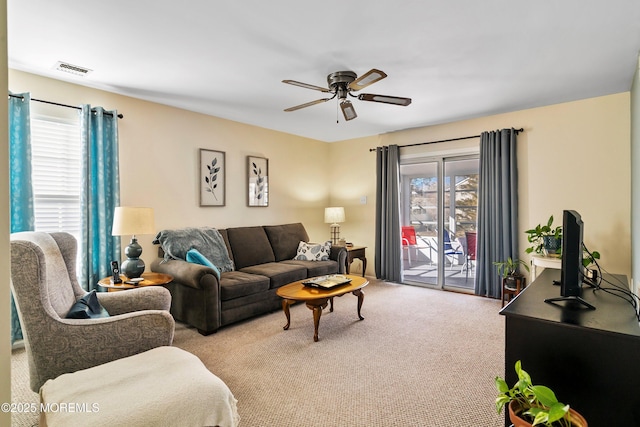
x: 285, y: 238
x: 316, y: 268
x: 235, y: 284
x: 280, y: 273
x: 250, y: 246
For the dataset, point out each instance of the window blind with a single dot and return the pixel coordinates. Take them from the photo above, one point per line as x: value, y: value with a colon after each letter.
x: 56, y: 173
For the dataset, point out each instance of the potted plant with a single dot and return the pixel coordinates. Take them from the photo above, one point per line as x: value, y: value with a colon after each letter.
x: 531, y: 405
x: 509, y: 270
x: 545, y: 239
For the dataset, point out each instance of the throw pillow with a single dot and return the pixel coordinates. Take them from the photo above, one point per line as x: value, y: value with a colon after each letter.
x: 313, y: 251
x: 194, y: 256
x: 87, y: 307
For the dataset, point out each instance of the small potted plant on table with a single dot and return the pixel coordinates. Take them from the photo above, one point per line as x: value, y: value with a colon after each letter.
x: 545, y: 239
x: 532, y: 405
x: 509, y: 271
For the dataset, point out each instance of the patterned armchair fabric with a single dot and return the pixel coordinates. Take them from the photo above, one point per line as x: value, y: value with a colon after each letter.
x: 44, y: 284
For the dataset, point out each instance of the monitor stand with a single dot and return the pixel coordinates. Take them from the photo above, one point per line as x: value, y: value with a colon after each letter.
x: 571, y: 299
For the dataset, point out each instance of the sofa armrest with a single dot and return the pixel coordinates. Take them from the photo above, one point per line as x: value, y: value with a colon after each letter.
x: 183, y: 272
x: 195, y: 293
x: 339, y: 254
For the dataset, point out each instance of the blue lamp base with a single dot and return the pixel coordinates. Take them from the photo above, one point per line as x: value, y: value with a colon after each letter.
x: 133, y: 266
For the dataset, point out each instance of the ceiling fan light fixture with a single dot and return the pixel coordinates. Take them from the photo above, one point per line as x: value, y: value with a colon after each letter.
x: 347, y: 110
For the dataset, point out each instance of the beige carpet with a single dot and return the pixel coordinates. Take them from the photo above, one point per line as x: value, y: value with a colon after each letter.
x: 420, y: 358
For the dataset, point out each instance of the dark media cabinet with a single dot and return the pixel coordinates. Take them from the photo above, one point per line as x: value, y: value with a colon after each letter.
x: 589, y: 358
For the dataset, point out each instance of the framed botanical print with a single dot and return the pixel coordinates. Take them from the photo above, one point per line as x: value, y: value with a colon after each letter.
x: 258, y: 181
x: 212, y: 178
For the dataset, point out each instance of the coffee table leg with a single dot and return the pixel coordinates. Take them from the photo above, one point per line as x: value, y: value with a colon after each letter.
x: 360, y: 296
x: 316, y: 306
x: 285, y: 307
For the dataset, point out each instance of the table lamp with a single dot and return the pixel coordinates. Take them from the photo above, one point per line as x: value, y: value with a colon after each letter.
x: 131, y: 221
x: 334, y: 216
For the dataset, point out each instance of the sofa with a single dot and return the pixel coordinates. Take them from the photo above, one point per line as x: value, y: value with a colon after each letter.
x: 262, y: 260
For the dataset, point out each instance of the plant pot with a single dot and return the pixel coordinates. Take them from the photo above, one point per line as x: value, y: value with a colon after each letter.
x: 514, y: 282
x: 551, y: 245
x: 577, y: 420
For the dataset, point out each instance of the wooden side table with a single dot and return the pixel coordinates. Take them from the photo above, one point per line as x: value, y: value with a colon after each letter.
x: 150, y: 279
x: 510, y: 292
x: 354, y: 252
x: 544, y: 262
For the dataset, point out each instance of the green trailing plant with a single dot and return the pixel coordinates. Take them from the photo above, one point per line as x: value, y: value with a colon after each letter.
x: 510, y: 267
x: 589, y: 258
x: 536, y: 235
x: 537, y: 402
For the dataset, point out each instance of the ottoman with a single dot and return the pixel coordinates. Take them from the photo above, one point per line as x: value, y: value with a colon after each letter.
x: 163, y: 386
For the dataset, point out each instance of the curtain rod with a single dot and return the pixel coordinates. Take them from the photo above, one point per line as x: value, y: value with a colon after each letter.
x: 120, y: 116
x: 443, y: 140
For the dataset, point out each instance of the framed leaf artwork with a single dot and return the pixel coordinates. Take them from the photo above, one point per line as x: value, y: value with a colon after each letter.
x: 258, y: 180
x: 212, y: 177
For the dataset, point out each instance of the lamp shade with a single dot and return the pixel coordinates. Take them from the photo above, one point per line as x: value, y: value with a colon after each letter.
x: 129, y: 221
x: 334, y: 215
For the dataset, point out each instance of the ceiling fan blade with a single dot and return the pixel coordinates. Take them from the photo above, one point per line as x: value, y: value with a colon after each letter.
x: 368, y: 78
x: 306, y: 85
x: 308, y: 104
x: 395, y: 100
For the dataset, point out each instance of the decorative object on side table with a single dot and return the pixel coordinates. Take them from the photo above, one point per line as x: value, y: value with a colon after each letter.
x: 131, y: 221
x: 531, y: 405
x: 212, y: 177
x: 334, y: 216
x: 258, y: 181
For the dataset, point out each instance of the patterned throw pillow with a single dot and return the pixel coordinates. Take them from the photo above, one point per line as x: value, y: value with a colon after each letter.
x: 313, y: 251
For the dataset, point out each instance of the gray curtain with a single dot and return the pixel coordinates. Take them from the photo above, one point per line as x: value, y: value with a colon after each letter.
x: 388, y: 257
x: 497, y: 208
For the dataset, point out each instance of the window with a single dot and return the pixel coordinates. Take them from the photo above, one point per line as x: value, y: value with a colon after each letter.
x: 56, y: 172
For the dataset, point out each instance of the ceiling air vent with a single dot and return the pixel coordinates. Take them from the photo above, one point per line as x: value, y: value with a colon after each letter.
x: 72, y: 69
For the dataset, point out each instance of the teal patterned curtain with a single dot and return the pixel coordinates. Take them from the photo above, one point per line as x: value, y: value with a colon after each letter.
x: 101, y: 194
x: 22, y: 218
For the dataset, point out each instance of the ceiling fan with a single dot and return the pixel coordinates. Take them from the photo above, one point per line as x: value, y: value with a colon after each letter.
x: 343, y: 83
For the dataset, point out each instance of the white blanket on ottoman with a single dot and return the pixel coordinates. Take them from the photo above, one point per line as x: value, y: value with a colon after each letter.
x: 165, y: 386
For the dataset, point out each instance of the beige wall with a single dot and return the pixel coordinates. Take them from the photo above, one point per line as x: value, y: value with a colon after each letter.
x: 5, y: 346
x: 571, y: 156
x: 159, y: 161
x: 635, y: 177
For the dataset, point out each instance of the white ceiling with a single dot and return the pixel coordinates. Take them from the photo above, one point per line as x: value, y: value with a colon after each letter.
x: 456, y: 59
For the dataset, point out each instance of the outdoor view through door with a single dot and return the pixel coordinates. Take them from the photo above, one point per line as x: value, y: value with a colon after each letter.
x: 439, y: 210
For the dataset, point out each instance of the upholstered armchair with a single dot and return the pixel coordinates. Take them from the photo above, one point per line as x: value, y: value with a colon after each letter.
x: 44, y: 285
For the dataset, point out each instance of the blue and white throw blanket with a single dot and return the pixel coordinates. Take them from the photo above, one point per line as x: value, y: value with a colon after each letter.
x: 208, y: 241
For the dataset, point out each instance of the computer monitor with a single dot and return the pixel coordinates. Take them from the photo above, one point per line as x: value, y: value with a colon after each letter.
x: 572, y: 271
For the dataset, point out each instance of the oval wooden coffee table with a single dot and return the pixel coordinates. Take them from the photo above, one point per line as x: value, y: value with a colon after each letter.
x: 316, y: 299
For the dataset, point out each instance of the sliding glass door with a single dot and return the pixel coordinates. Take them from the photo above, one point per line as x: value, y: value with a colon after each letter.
x: 439, y: 208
